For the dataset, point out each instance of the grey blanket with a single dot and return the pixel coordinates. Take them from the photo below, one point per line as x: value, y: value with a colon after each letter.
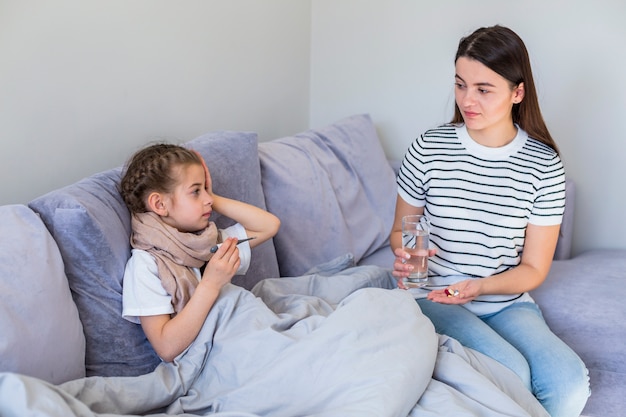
x: 341, y: 345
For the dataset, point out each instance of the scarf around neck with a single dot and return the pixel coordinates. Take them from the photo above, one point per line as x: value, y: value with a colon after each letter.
x: 175, y: 252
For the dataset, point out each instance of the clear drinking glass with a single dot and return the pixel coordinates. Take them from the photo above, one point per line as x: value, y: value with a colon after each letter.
x: 415, y: 241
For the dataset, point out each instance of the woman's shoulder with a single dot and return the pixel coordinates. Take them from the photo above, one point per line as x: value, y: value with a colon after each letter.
x: 444, y: 136
x: 540, y: 148
x: 446, y: 130
x: 541, y: 156
x: 542, y: 161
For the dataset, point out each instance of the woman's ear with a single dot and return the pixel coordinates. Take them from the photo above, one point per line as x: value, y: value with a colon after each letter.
x: 156, y: 204
x: 518, y: 93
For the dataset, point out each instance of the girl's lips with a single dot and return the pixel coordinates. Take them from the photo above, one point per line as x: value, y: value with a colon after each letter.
x: 470, y: 114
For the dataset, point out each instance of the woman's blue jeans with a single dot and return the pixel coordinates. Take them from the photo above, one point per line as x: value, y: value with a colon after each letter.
x: 518, y: 337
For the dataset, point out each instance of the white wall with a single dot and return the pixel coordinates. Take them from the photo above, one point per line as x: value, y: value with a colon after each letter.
x: 84, y: 83
x: 394, y: 60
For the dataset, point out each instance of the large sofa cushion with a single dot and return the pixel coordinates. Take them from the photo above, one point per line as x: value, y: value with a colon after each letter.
x: 41, y: 332
x: 335, y: 191
x: 91, y: 225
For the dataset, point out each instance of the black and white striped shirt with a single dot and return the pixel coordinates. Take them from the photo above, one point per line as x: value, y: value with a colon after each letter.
x: 478, y: 199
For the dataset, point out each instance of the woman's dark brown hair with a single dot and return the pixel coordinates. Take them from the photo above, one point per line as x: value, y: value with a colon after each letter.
x: 153, y: 169
x: 502, y: 51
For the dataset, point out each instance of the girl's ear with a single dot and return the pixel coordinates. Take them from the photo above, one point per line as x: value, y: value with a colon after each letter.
x: 156, y: 204
x: 518, y: 93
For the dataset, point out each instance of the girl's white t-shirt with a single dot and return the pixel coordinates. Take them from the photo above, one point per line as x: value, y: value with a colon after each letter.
x: 143, y: 294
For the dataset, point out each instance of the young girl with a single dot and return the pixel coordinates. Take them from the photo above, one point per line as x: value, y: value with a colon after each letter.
x: 168, y: 190
x: 492, y: 185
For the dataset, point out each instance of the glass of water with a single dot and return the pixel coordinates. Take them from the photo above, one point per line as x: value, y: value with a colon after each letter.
x: 415, y: 241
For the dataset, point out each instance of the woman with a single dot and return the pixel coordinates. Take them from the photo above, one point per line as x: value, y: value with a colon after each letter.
x: 493, y: 188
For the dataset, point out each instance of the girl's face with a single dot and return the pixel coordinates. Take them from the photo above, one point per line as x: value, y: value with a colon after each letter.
x: 189, y: 206
x: 485, y: 100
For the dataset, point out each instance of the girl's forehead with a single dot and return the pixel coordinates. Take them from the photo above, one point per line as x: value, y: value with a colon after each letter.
x: 185, y: 172
x: 195, y: 173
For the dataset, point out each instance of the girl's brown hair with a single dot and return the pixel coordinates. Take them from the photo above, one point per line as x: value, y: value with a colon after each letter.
x: 152, y: 169
x: 503, y: 51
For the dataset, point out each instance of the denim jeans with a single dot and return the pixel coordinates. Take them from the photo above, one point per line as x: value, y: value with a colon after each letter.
x: 518, y: 337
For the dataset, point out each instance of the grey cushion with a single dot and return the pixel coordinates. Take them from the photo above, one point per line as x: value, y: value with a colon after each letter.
x: 336, y: 190
x: 91, y: 225
x: 41, y: 333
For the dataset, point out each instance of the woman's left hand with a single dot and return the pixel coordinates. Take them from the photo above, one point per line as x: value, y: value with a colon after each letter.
x: 458, y: 293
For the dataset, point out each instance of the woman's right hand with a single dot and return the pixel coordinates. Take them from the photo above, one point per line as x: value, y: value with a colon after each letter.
x: 402, y: 269
x: 223, y: 265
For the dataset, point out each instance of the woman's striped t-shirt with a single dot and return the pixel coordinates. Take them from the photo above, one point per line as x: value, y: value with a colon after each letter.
x: 479, y: 200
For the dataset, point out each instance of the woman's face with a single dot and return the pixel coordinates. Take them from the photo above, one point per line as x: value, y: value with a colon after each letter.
x: 485, y: 100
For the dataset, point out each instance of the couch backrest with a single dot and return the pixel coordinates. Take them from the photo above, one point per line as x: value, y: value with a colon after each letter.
x: 334, y: 191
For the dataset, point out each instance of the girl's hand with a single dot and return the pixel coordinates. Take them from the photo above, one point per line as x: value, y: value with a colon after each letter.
x: 401, y: 269
x: 458, y: 293
x: 207, y: 174
x: 223, y: 265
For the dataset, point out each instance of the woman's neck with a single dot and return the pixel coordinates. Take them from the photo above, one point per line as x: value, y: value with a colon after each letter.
x: 495, y: 136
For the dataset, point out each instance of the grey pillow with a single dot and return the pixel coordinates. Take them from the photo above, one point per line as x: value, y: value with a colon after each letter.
x: 91, y: 225
x: 334, y: 191
x: 41, y: 333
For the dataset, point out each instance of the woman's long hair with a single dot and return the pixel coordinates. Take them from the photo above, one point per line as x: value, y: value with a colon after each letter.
x: 502, y: 51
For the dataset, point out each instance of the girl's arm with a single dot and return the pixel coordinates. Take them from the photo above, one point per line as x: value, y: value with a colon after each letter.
x: 256, y: 221
x: 170, y: 336
x: 539, y: 246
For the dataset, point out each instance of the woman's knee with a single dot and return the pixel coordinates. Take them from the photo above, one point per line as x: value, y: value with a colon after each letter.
x: 563, y: 390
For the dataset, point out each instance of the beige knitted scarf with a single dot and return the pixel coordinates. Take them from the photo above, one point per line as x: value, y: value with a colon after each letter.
x: 175, y: 253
